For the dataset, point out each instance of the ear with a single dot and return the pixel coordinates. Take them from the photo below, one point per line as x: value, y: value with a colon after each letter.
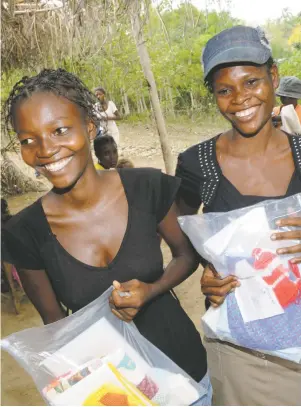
x: 91, y: 130
x: 275, y: 76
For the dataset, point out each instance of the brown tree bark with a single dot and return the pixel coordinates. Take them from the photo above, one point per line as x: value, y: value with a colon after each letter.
x: 137, y: 30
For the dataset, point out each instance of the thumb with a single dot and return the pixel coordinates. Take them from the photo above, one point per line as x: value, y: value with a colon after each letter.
x: 116, y: 285
x: 127, y: 286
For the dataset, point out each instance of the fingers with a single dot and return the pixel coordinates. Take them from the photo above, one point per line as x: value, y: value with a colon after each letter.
x: 209, y: 279
x: 292, y: 235
x: 291, y: 250
x: 215, y: 301
x: 125, y: 314
x: 125, y: 302
x: 128, y: 285
x: 131, y: 294
x: 215, y: 287
x: 219, y: 291
x: 296, y: 221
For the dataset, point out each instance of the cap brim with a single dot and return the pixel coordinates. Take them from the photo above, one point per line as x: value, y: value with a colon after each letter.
x: 295, y: 95
x: 279, y: 93
x: 239, y: 54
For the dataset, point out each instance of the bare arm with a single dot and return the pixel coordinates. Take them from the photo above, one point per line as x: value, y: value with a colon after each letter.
x: 39, y: 290
x: 115, y: 117
x: 184, y: 259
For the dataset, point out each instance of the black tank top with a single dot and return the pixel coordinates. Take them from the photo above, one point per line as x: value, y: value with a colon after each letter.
x: 29, y: 243
x: 204, y: 183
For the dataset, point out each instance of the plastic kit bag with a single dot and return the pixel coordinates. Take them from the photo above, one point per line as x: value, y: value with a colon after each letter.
x: 92, y: 358
x: 264, y: 313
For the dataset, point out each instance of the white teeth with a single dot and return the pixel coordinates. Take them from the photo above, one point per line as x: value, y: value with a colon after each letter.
x: 246, y: 112
x: 59, y: 165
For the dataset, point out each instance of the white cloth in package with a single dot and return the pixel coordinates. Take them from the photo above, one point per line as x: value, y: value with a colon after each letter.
x: 92, y: 358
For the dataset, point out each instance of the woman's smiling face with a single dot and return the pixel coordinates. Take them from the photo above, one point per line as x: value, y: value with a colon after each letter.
x: 54, y: 136
x: 245, y: 96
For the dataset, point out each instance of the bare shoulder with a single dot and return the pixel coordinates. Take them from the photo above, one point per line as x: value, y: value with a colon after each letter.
x: 222, y: 141
x: 281, y: 143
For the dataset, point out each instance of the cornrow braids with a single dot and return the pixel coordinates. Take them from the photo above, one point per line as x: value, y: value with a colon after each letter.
x: 56, y: 81
x: 209, y: 80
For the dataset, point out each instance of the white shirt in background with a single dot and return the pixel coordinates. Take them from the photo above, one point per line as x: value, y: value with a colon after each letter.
x: 109, y: 126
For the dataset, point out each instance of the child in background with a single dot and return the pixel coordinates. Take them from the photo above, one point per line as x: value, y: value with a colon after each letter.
x: 106, y: 152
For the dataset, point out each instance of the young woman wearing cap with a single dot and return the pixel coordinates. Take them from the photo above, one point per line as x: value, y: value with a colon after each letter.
x: 250, y: 163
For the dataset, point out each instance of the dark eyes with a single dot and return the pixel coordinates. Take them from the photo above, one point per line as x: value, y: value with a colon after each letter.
x: 26, y: 141
x: 252, y: 82
x: 61, y: 131
x: 224, y: 92
x: 248, y: 84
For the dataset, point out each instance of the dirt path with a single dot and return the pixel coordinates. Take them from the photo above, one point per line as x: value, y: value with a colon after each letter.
x: 140, y: 144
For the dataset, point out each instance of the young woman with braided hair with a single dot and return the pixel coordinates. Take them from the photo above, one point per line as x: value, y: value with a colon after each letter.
x: 95, y: 229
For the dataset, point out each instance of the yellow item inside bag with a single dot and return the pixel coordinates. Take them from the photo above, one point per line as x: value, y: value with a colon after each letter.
x: 112, y: 395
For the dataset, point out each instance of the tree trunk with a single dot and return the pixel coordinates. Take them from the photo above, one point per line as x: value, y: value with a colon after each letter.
x: 138, y: 104
x: 125, y: 103
x: 192, y: 101
x: 137, y: 30
x: 171, y: 106
x: 143, y: 103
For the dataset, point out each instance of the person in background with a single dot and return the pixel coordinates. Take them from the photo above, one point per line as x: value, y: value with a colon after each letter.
x: 125, y: 163
x: 9, y: 273
x: 108, y: 114
x: 5, y: 213
x: 289, y: 92
x: 106, y: 152
x: 5, y: 216
x: 97, y: 228
x: 250, y: 163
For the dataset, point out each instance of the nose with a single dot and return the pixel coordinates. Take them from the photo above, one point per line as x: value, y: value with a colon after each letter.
x: 240, y: 96
x: 47, y: 147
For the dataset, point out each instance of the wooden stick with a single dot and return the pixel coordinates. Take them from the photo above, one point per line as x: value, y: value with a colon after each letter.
x: 37, y: 11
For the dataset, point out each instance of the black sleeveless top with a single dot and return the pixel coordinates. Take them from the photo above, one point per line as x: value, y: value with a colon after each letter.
x: 204, y: 183
x: 27, y: 242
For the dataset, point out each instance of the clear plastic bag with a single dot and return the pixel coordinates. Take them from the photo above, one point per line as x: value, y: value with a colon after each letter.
x: 264, y: 313
x: 93, y: 358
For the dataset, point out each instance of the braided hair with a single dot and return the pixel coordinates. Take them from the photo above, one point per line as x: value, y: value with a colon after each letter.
x: 56, y: 81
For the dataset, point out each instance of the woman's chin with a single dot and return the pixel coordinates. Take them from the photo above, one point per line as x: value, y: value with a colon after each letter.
x: 63, y: 186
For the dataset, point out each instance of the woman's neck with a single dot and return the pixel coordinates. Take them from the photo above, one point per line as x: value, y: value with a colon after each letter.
x: 257, y: 144
x: 87, y: 190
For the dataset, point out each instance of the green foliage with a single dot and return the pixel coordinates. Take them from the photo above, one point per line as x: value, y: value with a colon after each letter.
x: 291, y: 66
x: 99, y: 48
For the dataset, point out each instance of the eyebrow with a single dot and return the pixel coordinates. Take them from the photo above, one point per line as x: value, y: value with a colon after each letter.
x: 53, y: 122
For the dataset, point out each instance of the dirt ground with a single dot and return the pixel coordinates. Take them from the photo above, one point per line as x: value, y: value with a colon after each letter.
x: 140, y: 144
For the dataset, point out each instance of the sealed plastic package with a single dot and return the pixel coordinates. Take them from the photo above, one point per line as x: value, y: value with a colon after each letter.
x: 264, y: 313
x: 92, y: 358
